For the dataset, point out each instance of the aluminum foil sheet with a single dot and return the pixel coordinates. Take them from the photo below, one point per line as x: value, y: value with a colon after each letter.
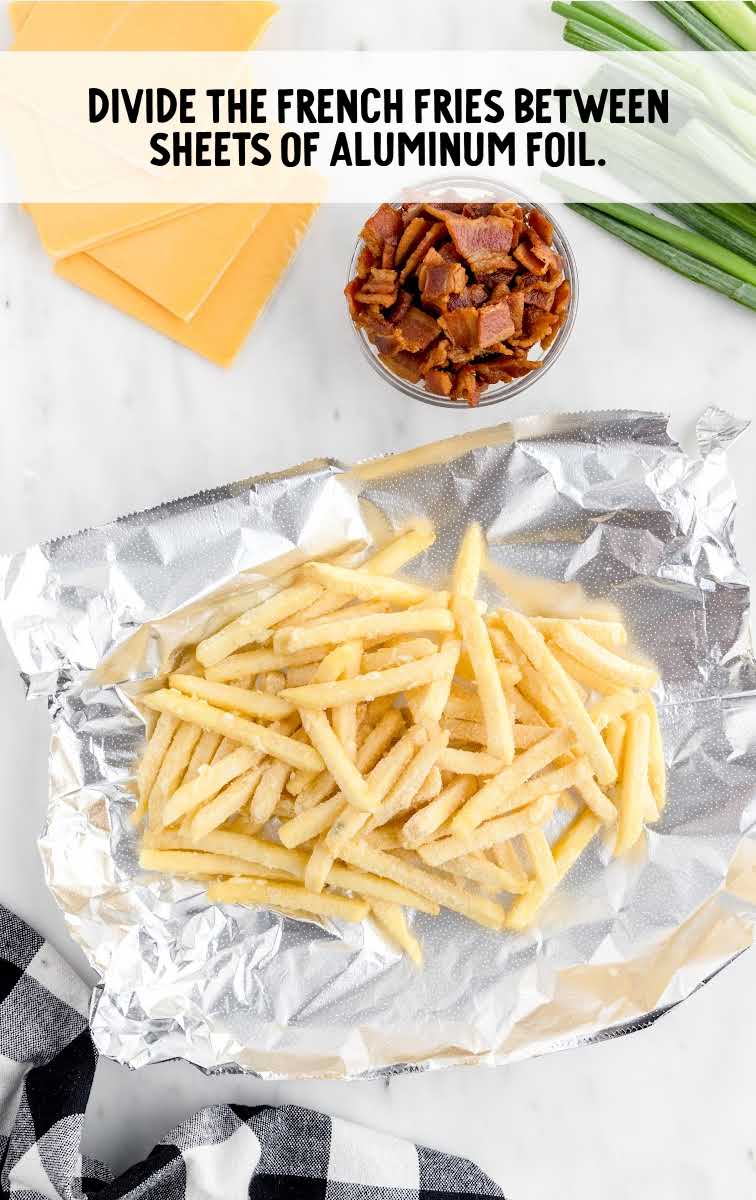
x: 607, y: 499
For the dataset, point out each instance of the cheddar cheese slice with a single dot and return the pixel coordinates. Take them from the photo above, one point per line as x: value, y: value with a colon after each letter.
x: 230, y: 311
x: 179, y: 262
x: 19, y: 10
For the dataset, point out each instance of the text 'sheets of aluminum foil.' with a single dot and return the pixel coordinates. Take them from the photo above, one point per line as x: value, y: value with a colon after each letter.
x: 609, y: 500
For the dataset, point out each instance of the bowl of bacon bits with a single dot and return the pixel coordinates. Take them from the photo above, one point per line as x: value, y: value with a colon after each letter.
x: 462, y: 292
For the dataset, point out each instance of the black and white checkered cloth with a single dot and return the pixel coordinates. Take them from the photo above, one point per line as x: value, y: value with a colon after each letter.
x: 228, y: 1152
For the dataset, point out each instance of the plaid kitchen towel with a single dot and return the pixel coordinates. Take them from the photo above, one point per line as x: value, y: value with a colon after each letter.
x: 226, y: 1152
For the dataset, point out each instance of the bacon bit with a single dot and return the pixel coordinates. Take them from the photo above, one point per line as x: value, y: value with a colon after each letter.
x: 462, y: 328
x: 438, y: 382
x: 434, y: 234
x: 402, y: 306
x: 416, y: 330
x: 413, y: 234
x: 466, y: 386
x: 484, y: 242
x: 364, y: 263
x: 457, y: 295
x: 384, y: 225
x: 495, y: 324
x: 471, y: 297
x: 403, y: 364
x: 439, y: 281
x: 542, y: 225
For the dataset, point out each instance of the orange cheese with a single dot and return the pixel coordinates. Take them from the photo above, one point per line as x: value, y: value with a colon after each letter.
x: 168, y: 25
x: 230, y: 311
x: 19, y: 11
x: 179, y: 262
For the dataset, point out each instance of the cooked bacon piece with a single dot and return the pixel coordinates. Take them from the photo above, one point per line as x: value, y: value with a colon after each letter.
x: 389, y: 254
x: 484, y: 242
x: 406, y: 366
x: 409, y: 212
x: 538, y: 298
x: 403, y: 304
x: 449, y: 252
x: 514, y: 213
x: 462, y: 328
x: 384, y: 225
x: 517, y: 309
x: 437, y: 356
x: 542, y: 225
x: 477, y: 210
x: 500, y: 291
x: 536, y: 325
x: 438, y: 382
x: 559, y: 313
x: 416, y: 330
x: 471, y: 297
x: 494, y: 370
x: 412, y: 235
x: 382, y: 288
x: 495, y: 324
x: 440, y: 280
x: 365, y: 262
x: 434, y: 234
x: 466, y: 386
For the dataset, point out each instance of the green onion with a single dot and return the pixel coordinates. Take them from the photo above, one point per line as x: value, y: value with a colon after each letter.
x: 713, y: 226
x: 670, y: 256
x: 620, y: 40
x: 741, y: 215
x: 682, y: 239
x: 621, y: 22
x: 687, y: 17
x: 737, y: 20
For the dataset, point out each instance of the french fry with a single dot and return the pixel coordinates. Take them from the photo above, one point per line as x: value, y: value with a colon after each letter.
x: 497, y: 718
x: 398, y: 655
x: 614, y: 738
x: 606, y: 633
x: 255, y: 662
x: 389, y: 559
x: 172, y: 770
x: 469, y: 561
x: 634, y: 781
x: 427, y: 703
x: 209, y: 781
x: 537, y: 596
x: 202, y: 755
x: 199, y: 862
x: 534, y: 647
x: 239, y: 729
x: 506, y: 857
x: 299, y: 676
x: 421, y: 825
x: 612, y: 666
x: 479, y: 870
x: 346, y: 775
x: 499, y: 829
x: 567, y: 850
x: 657, y: 771
x: 477, y: 908
x: 365, y: 585
x: 291, y: 896
x: 312, y: 822
x: 232, y: 699
x: 470, y: 762
x: 613, y: 707
x: 541, y: 857
x: 508, y: 780
x: 367, y: 687
x: 225, y: 746
x: 431, y: 788
x: 234, y: 796
x: 392, y: 922
x: 582, y: 676
x: 377, y: 625
x: 253, y: 625
x: 593, y: 797
x: 271, y: 682
x: 152, y: 760
x: 344, y: 716
x: 405, y: 790
x: 268, y: 793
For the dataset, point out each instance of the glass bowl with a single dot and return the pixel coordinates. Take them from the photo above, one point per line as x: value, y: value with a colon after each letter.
x: 463, y: 189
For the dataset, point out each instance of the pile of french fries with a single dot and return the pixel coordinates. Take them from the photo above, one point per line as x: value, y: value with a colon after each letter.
x: 355, y: 745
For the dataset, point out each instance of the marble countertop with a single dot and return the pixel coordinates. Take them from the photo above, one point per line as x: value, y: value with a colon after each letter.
x: 101, y: 416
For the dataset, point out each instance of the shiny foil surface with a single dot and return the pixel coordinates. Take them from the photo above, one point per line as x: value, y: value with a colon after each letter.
x: 607, y: 499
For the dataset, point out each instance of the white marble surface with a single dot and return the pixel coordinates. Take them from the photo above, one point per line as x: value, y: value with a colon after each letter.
x: 101, y: 416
